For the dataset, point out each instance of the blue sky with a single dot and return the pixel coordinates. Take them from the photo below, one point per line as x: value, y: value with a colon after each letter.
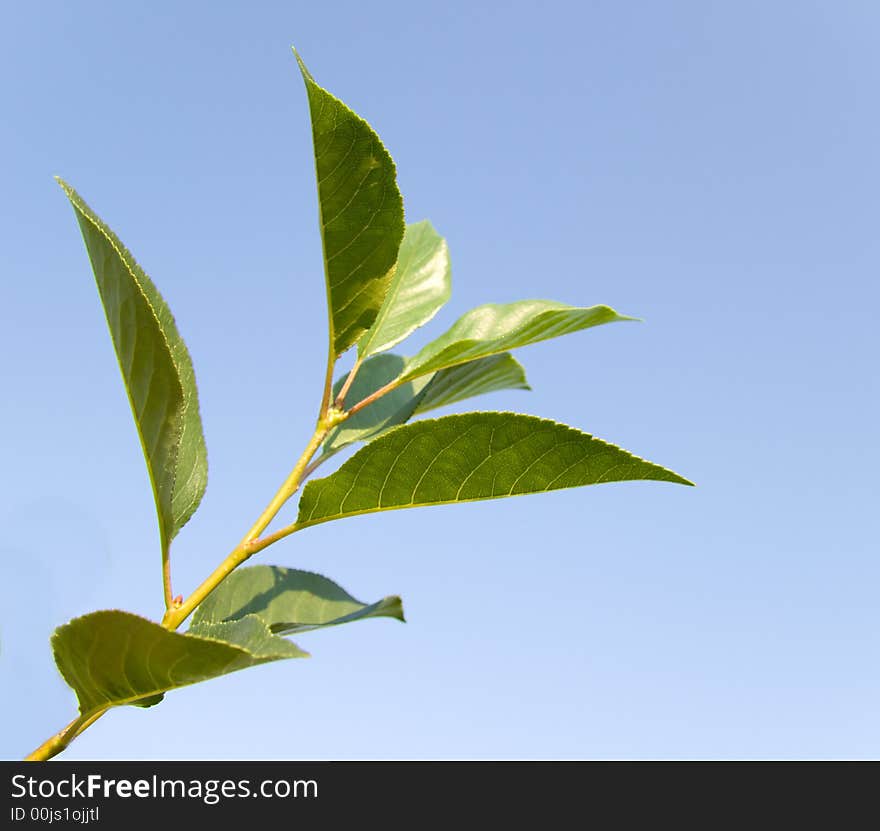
x: 709, y: 167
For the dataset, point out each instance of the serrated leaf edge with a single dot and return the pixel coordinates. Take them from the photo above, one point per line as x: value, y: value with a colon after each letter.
x: 308, y: 524
x: 133, y: 267
x: 405, y: 373
x: 389, y: 275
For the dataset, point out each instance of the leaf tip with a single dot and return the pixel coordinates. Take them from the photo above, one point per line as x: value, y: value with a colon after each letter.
x: 63, y: 185
x: 678, y: 479
x: 397, y: 605
x: 307, y: 76
x: 617, y: 317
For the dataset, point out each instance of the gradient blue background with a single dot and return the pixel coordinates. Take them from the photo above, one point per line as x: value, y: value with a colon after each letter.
x: 710, y: 167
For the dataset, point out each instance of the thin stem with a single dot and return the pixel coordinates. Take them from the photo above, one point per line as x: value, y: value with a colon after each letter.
x: 280, y: 534
x: 58, y: 742
x: 166, y: 578
x: 250, y: 543
x: 175, y: 616
x: 328, y: 378
x: 340, y: 399
x: 316, y: 463
x: 391, y: 385
x: 291, y: 483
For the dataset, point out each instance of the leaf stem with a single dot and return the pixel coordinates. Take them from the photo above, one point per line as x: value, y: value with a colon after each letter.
x: 251, y: 543
x: 166, y: 578
x: 316, y: 463
x: 391, y: 385
x: 328, y: 378
x: 53, y: 746
x: 280, y: 534
x: 288, y: 488
x: 340, y: 399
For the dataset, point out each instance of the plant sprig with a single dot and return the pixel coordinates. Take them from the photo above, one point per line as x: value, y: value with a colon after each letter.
x: 384, y: 279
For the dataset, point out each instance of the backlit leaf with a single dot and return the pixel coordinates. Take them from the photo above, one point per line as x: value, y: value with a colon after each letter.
x: 478, y: 377
x: 493, y: 328
x: 421, y: 285
x: 287, y: 600
x: 421, y: 395
x: 393, y: 408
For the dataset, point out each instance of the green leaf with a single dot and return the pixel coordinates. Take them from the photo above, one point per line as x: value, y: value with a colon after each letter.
x: 413, y: 397
x: 461, y: 458
x: 448, y: 386
x: 421, y: 285
x: 111, y: 658
x: 251, y: 633
x: 361, y: 213
x: 286, y: 600
x: 493, y: 328
x: 393, y: 408
x: 157, y: 371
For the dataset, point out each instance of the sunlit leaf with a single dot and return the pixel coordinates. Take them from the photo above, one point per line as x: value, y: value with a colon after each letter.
x: 157, y: 371
x: 111, y: 658
x: 360, y: 210
x: 461, y: 458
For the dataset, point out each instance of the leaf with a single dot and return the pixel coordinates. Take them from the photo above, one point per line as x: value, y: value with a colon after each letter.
x: 393, y: 408
x: 484, y: 375
x: 157, y: 371
x: 422, y: 283
x: 436, y: 390
x: 360, y: 210
x: 251, y: 633
x: 493, y: 328
x: 287, y: 600
x: 112, y: 658
x: 461, y: 458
